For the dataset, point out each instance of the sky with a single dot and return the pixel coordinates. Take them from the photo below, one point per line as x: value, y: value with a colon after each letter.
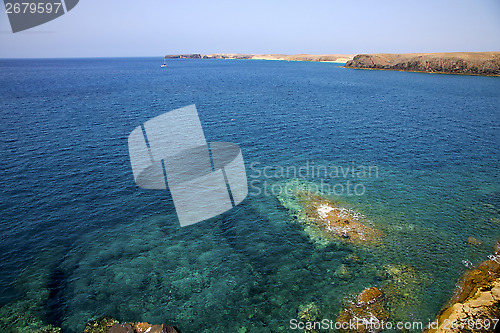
x: 125, y: 28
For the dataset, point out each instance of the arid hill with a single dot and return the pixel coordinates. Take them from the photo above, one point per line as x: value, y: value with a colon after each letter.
x: 475, y: 63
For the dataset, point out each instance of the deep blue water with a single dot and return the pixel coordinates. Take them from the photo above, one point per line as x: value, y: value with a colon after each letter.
x: 78, y: 238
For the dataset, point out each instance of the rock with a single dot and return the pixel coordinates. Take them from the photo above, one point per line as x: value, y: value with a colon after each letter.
x: 477, y: 63
x: 309, y: 312
x: 159, y: 329
x: 49, y: 329
x: 477, y: 299
x: 474, y: 241
x: 368, y: 296
x: 171, y: 329
x: 100, y: 325
x: 334, y: 221
x: 111, y: 325
x: 325, y: 220
x: 367, y: 310
x: 142, y: 327
x: 148, y: 328
x: 121, y: 328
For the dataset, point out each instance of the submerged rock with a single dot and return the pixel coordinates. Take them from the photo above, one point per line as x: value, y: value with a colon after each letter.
x: 335, y: 220
x: 365, y: 313
x: 403, y: 285
x: 148, y: 328
x: 49, y: 329
x: 309, y: 313
x: 368, y: 296
x: 111, y: 325
x: 476, y: 302
x: 474, y: 241
x: 100, y: 325
x: 325, y: 220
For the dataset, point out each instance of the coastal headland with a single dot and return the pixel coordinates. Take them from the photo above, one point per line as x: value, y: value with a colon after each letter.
x: 470, y: 63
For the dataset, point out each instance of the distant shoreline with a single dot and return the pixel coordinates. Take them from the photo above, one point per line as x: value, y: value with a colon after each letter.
x: 336, y: 58
x: 466, y: 63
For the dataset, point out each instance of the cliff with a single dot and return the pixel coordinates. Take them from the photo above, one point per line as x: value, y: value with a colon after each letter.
x: 474, y: 63
x: 341, y: 58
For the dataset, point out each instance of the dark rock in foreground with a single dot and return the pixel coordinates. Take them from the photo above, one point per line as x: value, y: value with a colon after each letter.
x: 473, y: 63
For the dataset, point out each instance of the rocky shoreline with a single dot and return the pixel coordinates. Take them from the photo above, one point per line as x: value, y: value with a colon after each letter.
x: 476, y: 303
x: 475, y: 306
x: 470, y: 63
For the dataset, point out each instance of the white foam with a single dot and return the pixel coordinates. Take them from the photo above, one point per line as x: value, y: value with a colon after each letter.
x: 323, y: 210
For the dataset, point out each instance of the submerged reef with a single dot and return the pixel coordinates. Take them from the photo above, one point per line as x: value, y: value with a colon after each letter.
x: 335, y: 220
x: 309, y: 313
x: 403, y: 285
x: 476, y: 302
x: 111, y: 325
x: 150, y: 270
x: 100, y: 325
x: 393, y: 301
x: 325, y: 219
x: 398, y: 285
x: 28, y: 313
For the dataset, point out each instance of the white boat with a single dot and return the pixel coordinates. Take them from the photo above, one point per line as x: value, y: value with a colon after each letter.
x: 164, y: 63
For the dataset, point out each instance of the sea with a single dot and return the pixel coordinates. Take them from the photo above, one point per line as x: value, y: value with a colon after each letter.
x: 416, y: 154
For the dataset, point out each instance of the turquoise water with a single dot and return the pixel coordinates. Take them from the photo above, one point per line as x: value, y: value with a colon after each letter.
x: 79, y: 240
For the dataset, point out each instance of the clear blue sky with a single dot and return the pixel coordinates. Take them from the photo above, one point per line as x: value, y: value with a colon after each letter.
x: 108, y: 28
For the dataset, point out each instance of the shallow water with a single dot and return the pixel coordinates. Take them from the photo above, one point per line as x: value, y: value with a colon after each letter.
x: 78, y: 239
